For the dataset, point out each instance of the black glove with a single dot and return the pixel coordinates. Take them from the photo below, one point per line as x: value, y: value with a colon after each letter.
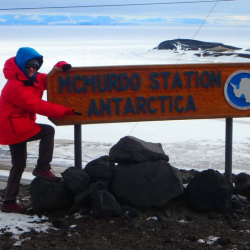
x: 76, y: 113
x: 66, y: 67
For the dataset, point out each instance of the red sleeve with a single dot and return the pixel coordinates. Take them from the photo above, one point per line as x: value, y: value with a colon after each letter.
x: 25, y: 98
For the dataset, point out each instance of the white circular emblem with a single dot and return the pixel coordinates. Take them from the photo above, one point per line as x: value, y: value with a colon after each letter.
x: 237, y: 89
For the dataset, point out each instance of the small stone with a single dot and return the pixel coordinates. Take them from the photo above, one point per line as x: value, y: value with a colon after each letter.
x: 159, y: 218
x: 58, y: 223
x: 133, y: 213
x: 53, y: 243
x: 246, y: 243
x: 224, y: 241
x: 114, y: 235
x: 7, y: 234
x: 235, y: 216
x: 240, y: 212
x: 85, y: 211
x: 189, y: 217
x: 168, y: 240
x: 212, y: 216
x: 167, y: 213
x: 192, y: 238
x: 160, y: 247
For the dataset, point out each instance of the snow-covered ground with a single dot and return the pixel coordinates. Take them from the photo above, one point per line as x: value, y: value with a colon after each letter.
x: 198, y: 144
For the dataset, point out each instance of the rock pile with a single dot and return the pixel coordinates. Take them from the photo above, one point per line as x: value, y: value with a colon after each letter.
x: 135, y: 174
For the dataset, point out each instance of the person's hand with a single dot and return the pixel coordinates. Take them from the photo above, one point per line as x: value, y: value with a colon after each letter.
x: 76, y: 113
x: 66, y: 67
x: 70, y: 111
x: 63, y: 65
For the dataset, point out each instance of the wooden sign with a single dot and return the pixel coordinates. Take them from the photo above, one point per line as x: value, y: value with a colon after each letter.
x: 151, y: 92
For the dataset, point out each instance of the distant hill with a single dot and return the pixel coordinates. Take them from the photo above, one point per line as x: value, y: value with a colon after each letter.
x: 189, y: 44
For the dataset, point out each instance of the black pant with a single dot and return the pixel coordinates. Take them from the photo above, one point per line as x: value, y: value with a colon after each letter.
x: 19, y: 156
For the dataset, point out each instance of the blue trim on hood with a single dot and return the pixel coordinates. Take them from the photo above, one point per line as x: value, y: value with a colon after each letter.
x: 25, y: 54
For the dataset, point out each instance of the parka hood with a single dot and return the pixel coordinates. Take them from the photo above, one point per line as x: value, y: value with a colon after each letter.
x: 25, y: 54
x: 11, y: 71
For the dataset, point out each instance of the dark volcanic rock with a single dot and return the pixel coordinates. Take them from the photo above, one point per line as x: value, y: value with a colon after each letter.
x: 189, y: 44
x: 104, y: 204
x: 242, y: 185
x: 146, y: 184
x: 76, y: 179
x: 100, y: 169
x: 83, y: 199
x: 130, y: 150
x: 188, y: 175
x: 210, y: 191
x: 49, y: 196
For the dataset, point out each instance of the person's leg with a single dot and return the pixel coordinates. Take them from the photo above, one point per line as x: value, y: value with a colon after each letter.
x: 46, y: 146
x: 19, y: 155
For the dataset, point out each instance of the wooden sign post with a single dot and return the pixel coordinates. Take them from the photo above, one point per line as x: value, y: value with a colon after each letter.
x: 152, y: 92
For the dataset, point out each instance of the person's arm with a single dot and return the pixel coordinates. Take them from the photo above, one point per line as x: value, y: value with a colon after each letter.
x: 42, y: 77
x: 25, y: 98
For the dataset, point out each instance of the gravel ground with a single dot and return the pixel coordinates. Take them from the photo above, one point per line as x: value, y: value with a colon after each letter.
x: 175, y: 226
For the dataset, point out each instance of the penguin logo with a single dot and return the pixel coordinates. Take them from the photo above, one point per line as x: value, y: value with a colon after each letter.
x: 237, y: 90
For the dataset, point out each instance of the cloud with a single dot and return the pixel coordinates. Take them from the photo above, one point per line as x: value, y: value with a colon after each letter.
x: 222, y: 12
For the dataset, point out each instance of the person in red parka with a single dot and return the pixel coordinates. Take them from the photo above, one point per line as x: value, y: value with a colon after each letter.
x: 20, y: 101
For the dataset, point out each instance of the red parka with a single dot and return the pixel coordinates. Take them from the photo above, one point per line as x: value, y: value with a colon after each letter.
x: 19, y: 105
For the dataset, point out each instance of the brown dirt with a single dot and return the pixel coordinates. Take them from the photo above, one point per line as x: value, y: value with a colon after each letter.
x: 177, y: 227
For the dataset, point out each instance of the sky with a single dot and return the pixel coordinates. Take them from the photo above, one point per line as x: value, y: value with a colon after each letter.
x: 228, y: 12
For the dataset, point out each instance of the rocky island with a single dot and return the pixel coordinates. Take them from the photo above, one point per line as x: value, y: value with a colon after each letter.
x: 211, y: 49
